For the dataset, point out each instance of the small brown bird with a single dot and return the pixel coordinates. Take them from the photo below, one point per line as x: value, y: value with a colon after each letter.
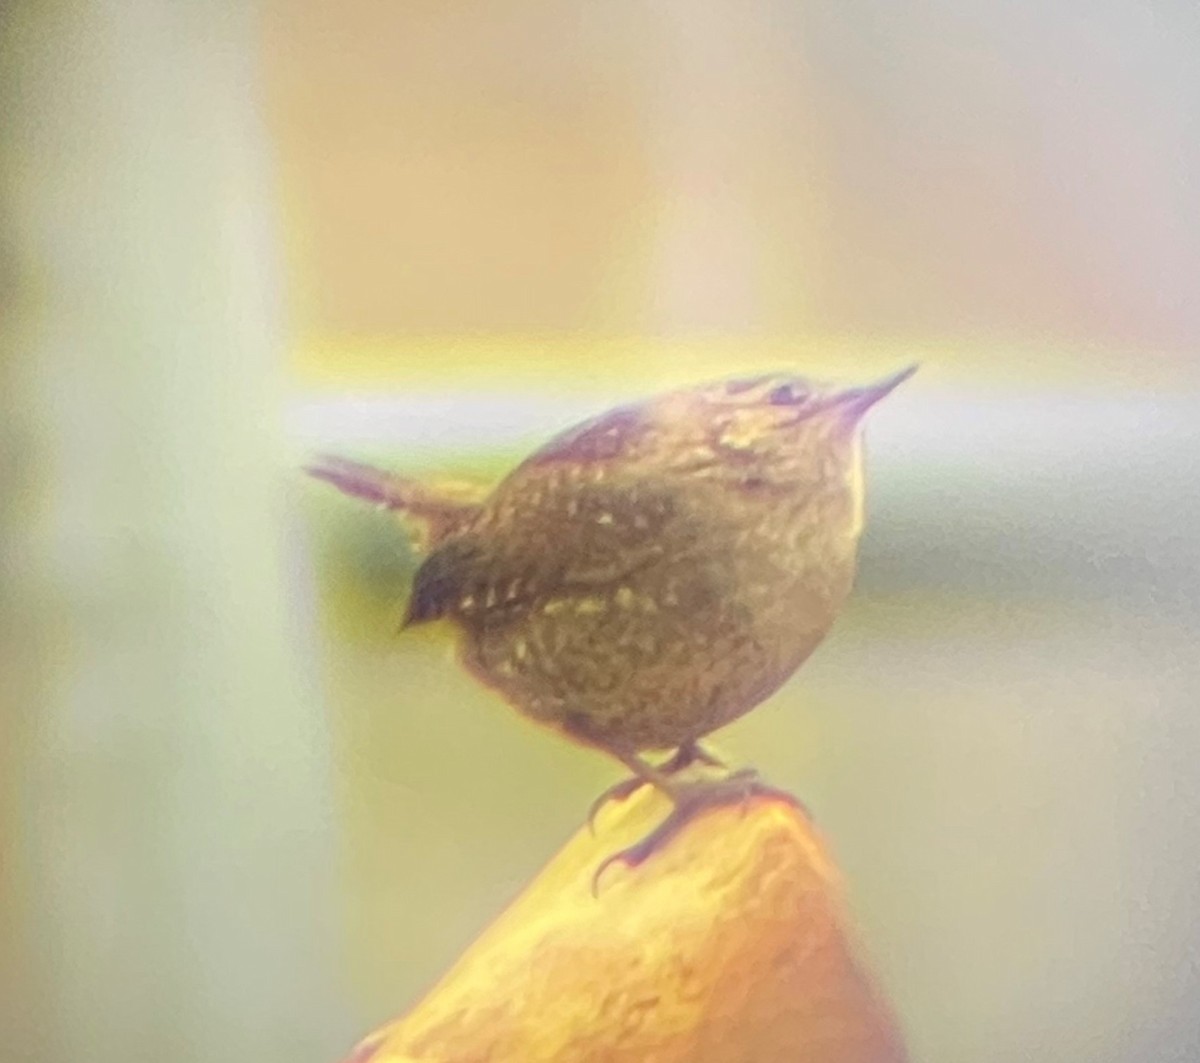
x: 654, y: 573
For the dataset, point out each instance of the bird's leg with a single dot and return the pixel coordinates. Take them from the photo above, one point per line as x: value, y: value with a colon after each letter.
x: 694, y: 753
x: 688, y: 798
x: 684, y: 757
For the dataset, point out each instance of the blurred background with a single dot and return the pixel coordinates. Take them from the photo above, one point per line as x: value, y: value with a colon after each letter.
x: 241, y: 819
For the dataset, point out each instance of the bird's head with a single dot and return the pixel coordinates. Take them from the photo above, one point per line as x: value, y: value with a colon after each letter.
x: 785, y: 426
x: 778, y: 429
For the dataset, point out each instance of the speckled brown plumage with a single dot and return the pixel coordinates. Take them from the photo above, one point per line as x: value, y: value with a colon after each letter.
x: 658, y: 571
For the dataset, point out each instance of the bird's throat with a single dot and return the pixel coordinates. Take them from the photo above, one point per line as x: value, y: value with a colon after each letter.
x: 855, y: 485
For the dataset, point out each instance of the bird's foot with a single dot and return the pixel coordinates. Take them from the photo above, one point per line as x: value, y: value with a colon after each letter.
x: 691, y: 798
x: 684, y: 757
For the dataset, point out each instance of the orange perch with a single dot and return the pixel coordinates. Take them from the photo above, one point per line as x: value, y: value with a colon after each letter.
x: 730, y: 945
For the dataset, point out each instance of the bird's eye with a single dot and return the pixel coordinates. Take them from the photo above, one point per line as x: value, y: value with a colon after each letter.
x: 785, y: 395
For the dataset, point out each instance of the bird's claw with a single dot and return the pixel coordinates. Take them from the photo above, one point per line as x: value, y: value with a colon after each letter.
x: 685, y: 756
x: 620, y: 791
x: 689, y: 799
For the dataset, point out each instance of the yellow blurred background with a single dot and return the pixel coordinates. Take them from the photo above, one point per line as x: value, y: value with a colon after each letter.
x: 242, y: 819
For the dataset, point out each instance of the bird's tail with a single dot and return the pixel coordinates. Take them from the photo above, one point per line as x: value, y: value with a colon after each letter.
x: 440, y: 509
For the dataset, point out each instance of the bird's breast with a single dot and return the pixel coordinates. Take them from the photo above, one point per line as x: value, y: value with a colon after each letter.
x: 716, y: 607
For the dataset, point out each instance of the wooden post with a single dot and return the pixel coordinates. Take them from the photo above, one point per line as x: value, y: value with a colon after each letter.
x: 730, y: 946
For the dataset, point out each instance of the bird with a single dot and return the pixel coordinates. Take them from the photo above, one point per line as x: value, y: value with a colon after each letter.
x: 652, y: 574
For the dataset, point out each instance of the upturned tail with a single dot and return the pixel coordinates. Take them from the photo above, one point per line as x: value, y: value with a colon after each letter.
x: 439, y: 509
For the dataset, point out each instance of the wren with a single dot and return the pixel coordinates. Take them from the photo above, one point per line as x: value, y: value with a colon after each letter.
x: 652, y: 574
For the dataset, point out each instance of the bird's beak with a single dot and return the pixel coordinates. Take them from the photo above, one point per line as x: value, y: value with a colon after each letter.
x: 854, y: 402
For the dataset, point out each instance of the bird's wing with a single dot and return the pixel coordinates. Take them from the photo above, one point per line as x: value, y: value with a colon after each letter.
x: 552, y: 543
